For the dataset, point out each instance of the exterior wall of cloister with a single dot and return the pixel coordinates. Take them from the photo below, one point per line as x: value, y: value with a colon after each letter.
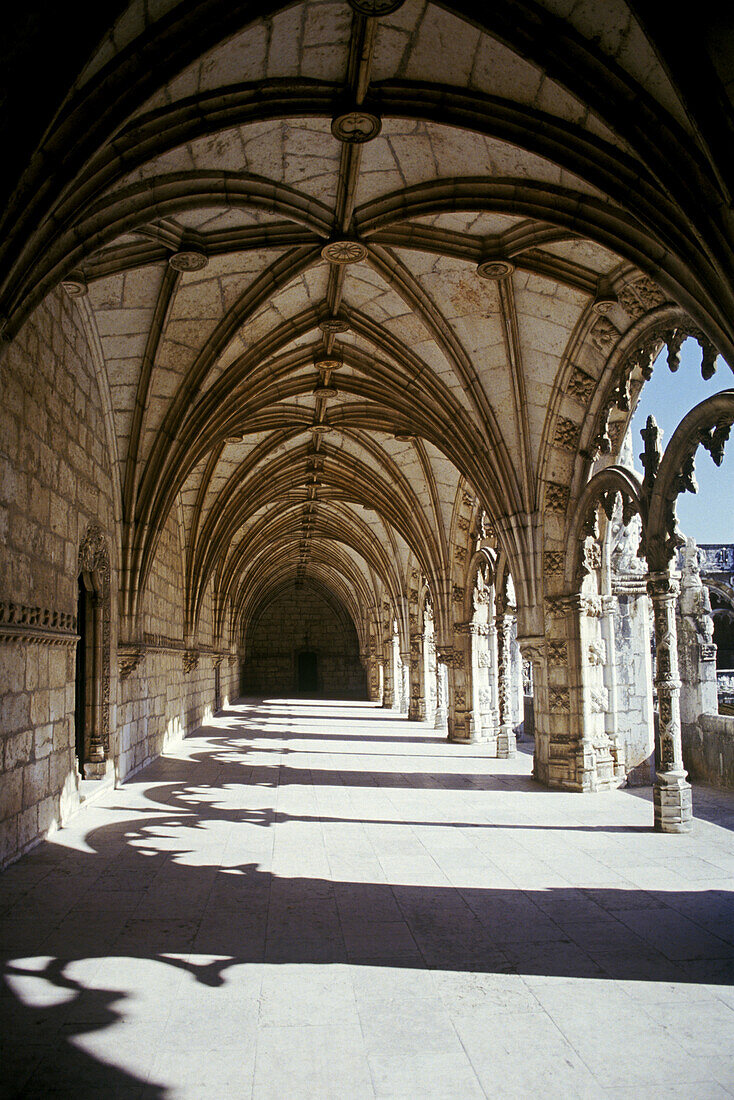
x: 349, y: 306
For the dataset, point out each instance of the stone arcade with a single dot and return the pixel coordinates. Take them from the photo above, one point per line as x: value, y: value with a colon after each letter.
x: 330, y: 320
x: 321, y: 329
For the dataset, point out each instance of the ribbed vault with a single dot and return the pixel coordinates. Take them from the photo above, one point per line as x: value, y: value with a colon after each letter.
x: 352, y: 266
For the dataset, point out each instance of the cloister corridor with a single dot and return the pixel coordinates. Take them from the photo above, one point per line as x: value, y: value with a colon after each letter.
x: 311, y: 899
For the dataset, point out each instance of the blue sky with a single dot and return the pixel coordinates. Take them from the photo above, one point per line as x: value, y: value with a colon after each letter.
x: 709, y: 515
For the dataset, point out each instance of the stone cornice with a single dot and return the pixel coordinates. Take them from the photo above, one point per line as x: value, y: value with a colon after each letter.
x: 36, y: 625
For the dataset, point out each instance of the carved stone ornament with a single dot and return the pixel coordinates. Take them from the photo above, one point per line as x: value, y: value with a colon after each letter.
x: 344, y: 252
x: 331, y: 325
x: 603, y: 303
x: 457, y: 594
x: 190, y: 259
x: 640, y: 297
x: 319, y: 429
x: 128, y: 659
x: 553, y: 563
x: 41, y: 625
x: 559, y: 700
x: 450, y: 657
x: 75, y: 284
x: 581, y: 386
x: 603, y: 335
x: 375, y: 8
x: 567, y: 433
x: 328, y: 363
x: 356, y: 127
x: 557, y: 653
x: 556, y: 497
x: 190, y: 660
x: 532, y: 648
x: 94, y: 559
x: 495, y: 269
x: 325, y: 393
x: 460, y: 554
x: 599, y: 700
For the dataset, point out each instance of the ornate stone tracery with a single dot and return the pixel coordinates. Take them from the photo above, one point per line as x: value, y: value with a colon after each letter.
x: 94, y: 563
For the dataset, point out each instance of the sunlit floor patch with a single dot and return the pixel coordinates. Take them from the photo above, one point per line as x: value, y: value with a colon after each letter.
x: 322, y: 901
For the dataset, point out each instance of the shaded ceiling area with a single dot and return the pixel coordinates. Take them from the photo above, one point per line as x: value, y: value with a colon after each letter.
x: 357, y: 273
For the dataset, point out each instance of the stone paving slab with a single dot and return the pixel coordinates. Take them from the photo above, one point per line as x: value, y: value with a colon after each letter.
x: 314, y: 900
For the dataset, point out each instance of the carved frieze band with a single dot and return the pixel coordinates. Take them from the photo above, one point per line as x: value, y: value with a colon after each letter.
x: 36, y: 625
x: 559, y: 606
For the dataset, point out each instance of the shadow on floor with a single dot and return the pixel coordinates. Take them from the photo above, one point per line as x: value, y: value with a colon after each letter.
x: 132, y: 897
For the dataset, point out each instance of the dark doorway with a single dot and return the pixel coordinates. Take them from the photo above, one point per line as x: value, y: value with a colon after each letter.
x: 81, y: 674
x: 308, y: 671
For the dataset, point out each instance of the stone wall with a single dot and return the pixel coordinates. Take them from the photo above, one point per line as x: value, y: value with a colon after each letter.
x: 163, y: 700
x: 55, y: 481
x: 301, y: 618
x: 172, y: 689
x: 708, y: 750
x: 55, y: 485
x: 634, y: 716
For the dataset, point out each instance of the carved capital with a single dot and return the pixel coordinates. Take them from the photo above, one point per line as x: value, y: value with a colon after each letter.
x: 128, y: 659
x: 190, y: 660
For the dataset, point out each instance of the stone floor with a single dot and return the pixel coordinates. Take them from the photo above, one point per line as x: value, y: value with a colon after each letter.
x: 311, y: 900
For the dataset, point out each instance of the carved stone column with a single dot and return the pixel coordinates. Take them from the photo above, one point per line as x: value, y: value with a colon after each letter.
x: 606, y: 656
x: 460, y: 716
x: 532, y: 650
x: 672, y: 791
x: 388, y: 671
x: 94, y: 765
x: 439, y: 719
x: 506, y: 746
x: 404, y: 670
x: 417, y: 711
x: 373, y: 678
x: 491, y: 716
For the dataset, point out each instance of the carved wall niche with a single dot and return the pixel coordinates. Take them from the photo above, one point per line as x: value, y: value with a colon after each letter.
x: 94, y: 566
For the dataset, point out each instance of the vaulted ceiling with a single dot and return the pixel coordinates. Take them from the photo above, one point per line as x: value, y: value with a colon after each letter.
x: 342, y: 260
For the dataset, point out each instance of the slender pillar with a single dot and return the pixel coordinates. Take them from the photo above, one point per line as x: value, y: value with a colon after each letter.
x: 417, y: 711
x: 439, y: 721
x: 373, y: 678
x: 609, y: 606
x: 460, y: 716
x: 491, y: 719
x: 94, y: 765
x: 404, y: 668
x: 672, y: 791
x: 388, y: 691
x: 506, y: 746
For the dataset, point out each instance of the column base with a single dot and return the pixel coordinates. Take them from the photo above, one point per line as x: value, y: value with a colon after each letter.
x: 506, y: 746
x: 671, y: 795
x: 95, y: 769
x: 439, y: 720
